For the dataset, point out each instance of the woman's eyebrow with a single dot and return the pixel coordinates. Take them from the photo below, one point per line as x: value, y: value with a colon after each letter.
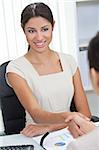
x: 30, y: 28
x: 44, y: 26
x: 35, y: 28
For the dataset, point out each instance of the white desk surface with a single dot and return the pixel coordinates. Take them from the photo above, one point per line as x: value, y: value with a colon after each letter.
x: 57, y: 140
x: 96, y: 123
x: 51, y: 142
x: 18, y: 139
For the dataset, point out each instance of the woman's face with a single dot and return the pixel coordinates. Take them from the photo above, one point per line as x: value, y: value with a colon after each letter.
x: 38, y: 31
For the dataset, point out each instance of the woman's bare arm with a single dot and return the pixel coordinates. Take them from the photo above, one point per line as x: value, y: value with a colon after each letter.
x: 38, y: 129
x: 29, y: 102
x: 80, y: 98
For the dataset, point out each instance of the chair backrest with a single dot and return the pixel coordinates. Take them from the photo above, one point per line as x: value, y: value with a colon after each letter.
x: 73, y: 109
x: 12, y: 110
x: 72, y: 106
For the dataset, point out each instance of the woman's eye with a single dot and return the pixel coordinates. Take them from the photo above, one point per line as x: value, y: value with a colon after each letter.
x: 45, y: 29
x: 31, y: 31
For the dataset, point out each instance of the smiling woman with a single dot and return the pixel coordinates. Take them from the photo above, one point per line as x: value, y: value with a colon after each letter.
x: 48, y: 79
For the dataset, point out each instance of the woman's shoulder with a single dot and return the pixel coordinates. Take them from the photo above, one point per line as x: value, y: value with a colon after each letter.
x: 69, y: 62
x: 66, y: 56
x: 17, y: 66
x: 18, y: 62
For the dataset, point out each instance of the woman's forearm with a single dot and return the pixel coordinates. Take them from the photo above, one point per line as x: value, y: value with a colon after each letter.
x: 55, y: 127
x: 38, y: 129
x: 40, y: 116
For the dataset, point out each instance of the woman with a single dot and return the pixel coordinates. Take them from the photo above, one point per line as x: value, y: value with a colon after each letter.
x: 89, y: 141
x: 46, y: 80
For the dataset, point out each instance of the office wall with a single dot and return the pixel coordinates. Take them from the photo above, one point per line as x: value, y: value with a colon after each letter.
x: 93, y: 100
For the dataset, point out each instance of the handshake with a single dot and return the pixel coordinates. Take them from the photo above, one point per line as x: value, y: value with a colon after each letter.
x: 78, y: 124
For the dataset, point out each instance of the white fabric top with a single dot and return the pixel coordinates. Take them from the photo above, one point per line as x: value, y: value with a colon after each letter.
x: 53, y: 92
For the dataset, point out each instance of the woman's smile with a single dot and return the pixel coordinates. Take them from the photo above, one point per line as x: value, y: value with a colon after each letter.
x: 39, y: 44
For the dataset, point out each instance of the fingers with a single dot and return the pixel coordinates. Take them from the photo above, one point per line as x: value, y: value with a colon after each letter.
x: 71, y: 116
x: 83, y: 116
x: 34, y: 130
x: 78, y: 124
x: 74, y: 129
x: 79, y: 120
x: 74, y: 115
x: 87, y: 126
x: 28, y: 131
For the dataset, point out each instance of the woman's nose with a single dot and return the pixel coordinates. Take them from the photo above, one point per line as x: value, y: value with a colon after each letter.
x: 39, y: 36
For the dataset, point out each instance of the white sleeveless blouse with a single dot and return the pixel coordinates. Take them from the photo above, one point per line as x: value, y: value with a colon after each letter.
x: 53, y: 92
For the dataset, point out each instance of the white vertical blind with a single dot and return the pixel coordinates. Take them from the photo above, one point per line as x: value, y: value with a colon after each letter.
x: 10, y: 28
x: 3, y: 34
x: 13, y: 43
x: 71, y: 28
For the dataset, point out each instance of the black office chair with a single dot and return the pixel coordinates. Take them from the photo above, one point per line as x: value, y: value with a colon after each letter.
x: 73, y: 109
x: 12, y: 110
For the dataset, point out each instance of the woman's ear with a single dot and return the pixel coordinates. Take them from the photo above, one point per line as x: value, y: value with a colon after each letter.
x: 95, y: 79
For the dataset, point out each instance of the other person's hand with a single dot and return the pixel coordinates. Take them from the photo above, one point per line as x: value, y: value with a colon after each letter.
x: 79, y: 125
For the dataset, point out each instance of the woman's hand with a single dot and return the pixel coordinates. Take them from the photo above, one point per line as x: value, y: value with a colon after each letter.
x: 73, y: 115
x: 38, y: 129
x: 84, y: 125
x: 34, y: 130
x: 74, y: 129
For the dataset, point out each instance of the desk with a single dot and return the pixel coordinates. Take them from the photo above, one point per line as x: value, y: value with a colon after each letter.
x: 18, y: 139
x: 57, y: 140
x: 50, y: 143
x: 97, y: 124
x: 56, y: 137
x: 60, y: 136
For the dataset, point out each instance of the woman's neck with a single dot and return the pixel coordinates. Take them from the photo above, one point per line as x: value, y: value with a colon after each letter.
x: 40, y: 58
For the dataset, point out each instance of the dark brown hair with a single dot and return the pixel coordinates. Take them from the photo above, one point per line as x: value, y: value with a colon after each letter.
x: 36, y: 10
x: 93, y: 52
